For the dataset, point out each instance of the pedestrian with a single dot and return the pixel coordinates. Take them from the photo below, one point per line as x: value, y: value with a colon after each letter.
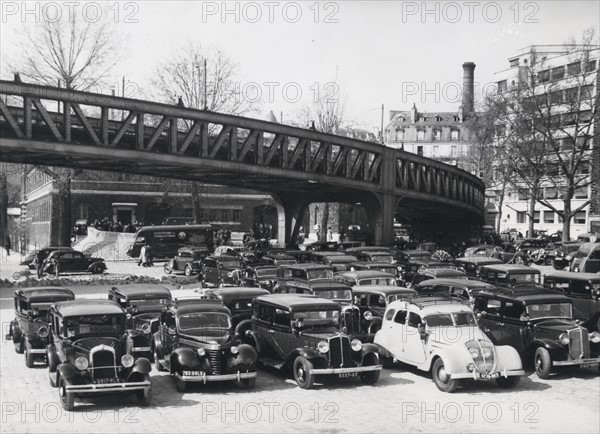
x: 329, y: 234
x: 7, y: 245
x: 142, y: 258
x: 149, y: 256
x: 317, y: 229
x: 38, y: 264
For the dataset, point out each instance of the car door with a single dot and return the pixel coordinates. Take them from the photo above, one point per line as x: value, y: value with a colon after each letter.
x: 396, y: 334
x: 489, y: 318
x: 414, y: 347
x: 79, y: 262
x: 512, y: 328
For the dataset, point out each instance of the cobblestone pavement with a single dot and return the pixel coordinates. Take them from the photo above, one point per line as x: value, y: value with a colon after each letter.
x: 404, y: 400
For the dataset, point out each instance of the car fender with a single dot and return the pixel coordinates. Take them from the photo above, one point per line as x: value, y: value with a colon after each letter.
x: 241, y: 325
x: 246, y: 357
x: 380, y: 340
x: 142, y: 366
x: 549, y: 344
x: 157, y: 344
x: 454, y: 361
x: 369, y: 348
x: 308, y: 353
x: 185, y: 357
x: 508, y: 358
x: 250, y: 334
x: 67, y: 371
x: 99, y: 264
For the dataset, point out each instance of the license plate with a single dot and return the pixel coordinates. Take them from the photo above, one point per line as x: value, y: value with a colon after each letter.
x: 489, y: 376
x: 589, y: 365
x: 348, y: 375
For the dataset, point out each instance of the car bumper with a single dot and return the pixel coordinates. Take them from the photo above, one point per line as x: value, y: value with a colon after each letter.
x: 475, y: 375
x: 109, y: 387
x: 346, y: 370
x: 37, y: 351
x: 203, y: 378
x: 591, y: 362
x: 142, y: 349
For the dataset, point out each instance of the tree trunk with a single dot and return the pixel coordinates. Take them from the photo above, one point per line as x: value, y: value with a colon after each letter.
x: 324, y: 222
x: 500, y: 203
x: 63, y: 211
x: 531, y: 212
x: 196, y: 203
x: 567, y: 215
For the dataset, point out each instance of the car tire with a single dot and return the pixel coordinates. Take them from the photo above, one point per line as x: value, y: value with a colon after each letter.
x: 66, y: 398
x: 180, y: 385
x: 542, y: 363
x: 157, y: 364
x: 508, y: 382
x: 29, y: 356
x: 548, y: 261
x: 167, y: 269
x: 187, y: 271
x: 441, y: 379
x: 303, y: 375
x: 51, y: 359
x: 56, y: 270
x: 20, y: 345
x: 369, y: 377
x: 249, y: 383
x: 144, y: 397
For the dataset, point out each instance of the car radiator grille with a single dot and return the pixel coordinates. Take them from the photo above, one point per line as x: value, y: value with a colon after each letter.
x: 214, y: 357
x: 579, y: 345
x: 339, y: 351
x: 103, y: 363
x: 352, y: 321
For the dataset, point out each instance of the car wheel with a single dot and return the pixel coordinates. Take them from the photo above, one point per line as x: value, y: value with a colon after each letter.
x: 167, y: 269
x: 548, y: 261
x: 144, y: 397
x: 249, y: 383
x: 157, y: 364
x: 509, y: 382
x: 370, y: 377
x: 67, y: 399
x: 542, y: 363
x: 303, y: 373
x: 441, y: 378
x: 51, y: 359
x: 97, y: 269
x: 187, y: 271
x: 180, y: 385
x: 29, y: 357
x: 19, y: 346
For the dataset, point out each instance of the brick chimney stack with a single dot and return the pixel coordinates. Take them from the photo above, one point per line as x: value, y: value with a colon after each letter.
x: 468, y: 91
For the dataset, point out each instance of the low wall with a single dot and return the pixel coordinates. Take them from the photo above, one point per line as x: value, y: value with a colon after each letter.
x: 112, y: 246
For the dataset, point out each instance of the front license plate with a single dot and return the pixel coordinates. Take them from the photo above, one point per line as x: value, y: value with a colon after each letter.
x: 589, y: 365
x: 348, y: 375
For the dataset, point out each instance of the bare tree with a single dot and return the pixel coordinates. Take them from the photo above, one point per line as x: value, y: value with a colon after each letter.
x: 550, y: 115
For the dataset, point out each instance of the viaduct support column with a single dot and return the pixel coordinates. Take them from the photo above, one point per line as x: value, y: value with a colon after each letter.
x: 381, y: 211
x: 291, y: 208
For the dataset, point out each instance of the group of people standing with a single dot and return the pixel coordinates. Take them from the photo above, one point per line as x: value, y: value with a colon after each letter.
x: 146, y: 256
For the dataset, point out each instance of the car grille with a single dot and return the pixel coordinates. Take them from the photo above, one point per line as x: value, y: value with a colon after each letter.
x: 352, y: 321
x: 339, y: 351
x: 579, y: 344
x: 214, y: 357
x: 103, y: 364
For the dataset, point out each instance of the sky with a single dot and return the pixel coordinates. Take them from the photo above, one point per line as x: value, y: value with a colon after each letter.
x: 365, y: 53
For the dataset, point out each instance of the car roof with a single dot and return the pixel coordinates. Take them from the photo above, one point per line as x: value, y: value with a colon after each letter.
x: 429, y: 305
x: 224, y: 257
x: 297, y: 301
x: 449, y: 272
x: 478, y: 259
x: 359, y: 274
x: 197, y: 304
x: 142, y: 291
x: 574, y: 276
x: 416, y: 252
x: 511, y: 267
x: 307, y: 266
x: 327, y: 283
x: 467, y: 283
x: 382, y: 289
x: 237, y: 292
x: 341, y: 258
x: 528, y: 294
x: 46, y: 293
x: 374, y: 264
x: 591, y: 246
x: 193, y: 249
x: 85, y: 307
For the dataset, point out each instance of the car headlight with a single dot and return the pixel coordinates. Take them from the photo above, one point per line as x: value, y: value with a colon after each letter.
x: 486, y: 352
x: 564, y: 339
x: 356, y: 345
x: 368, y: 315
x: 81, y: 363
x: 595, y: 337
x: 127, y: 360
x: 43, y: 332
x: 230, y: 274
x: 201, y: 351
x: 323, y: 347
x: 146, y: 328
x: 474, y: 352
x: 234, y: 350
x: 471, y: 367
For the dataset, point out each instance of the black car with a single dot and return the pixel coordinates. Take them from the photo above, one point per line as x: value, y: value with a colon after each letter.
x: 143, y: 304
x: 196, y: 343
x: 461, y: 289
x: 375, y: 256
x: 437, y: 273
x: 260, y: 276
x: 39, y: 256
x: 29, y: 330
x: 338, y: 261
x: 411, y: 261
x: 301, y: 274
x: 323, y: 246
x: 90, y: 353
x: 71, y: 261
x: 559, y: 254
x: 540, y: 325
x: 220, y: 270
x: 472, y: 264
x: 187, y: 260
x: 508, y: 275
x: 385, y: 267
x: 584, y: 290
x: 302, y: 333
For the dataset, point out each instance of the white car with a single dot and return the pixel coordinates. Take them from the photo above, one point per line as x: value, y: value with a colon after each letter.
x: 441, y: 335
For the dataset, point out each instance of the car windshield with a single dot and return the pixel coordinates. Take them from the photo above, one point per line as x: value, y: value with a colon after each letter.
x: 319, y: 274
x: 197, y: 256
x: 232, y: 263
x: 266, y: 272
x: 318, y: 318
x: 550, y: 310
x: 394, y: 297
x: 524, y: 278
x: 97, y: 325
x: 147, y: 304
x: 335, y: 294
x: 205, y: 323
x: 458, y: 319
x: 385, y: 281
x: 38, y: 310
x: 383, y: 258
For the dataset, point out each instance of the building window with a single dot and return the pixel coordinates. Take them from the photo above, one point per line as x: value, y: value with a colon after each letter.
x: 224, y: 215
x: 551, y: 192
x: 399, y: 135
x: 579, y: 218
x: 548, y: 217
x: 502, y: 86
x: 587, y: 92
x: 453, y: 150
x: 454, y: 135
x: 212, y: 215
x: 556, y: 97
x: 571, y: 95
x: 201, y: 215
x: 536, y: 216
x: 235, y: 215
x: 591, y: 66
x: 581, y: 193
x: 420, y: 135
x: 521, y: 216
x: 574, y: 68
x: 522, y: 194
x: 514, y: 62
x: 437, y: 134
x: 544, y: 76
x: 558, y: 73
x: 420, y: 150
x: 436, y: 150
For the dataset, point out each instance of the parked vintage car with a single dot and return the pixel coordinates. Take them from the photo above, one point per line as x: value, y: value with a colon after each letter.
x: 220, y: 270
x: 584, y: 290
x: 372, y: 300
x: 508, y: 275
x: 485, y: 250
x: 278, y: 258
x: 187, y: 260
x: 442, y: 336
x: 366, y: 277
x: 300, y: 256
x: 143, y: 304
x: 559, y: 254
x: 436, y: 273
x: 345, y: 245
x: 539, y: 324
x: 302, y: 333
x: 376, y: 256
x: 302, y: 274
x: 461, y: 289
x: 385, y: 267
x: 472, y: 264
x: 260, y: 276
x: 586, y: 259
x: 411, y: 261
x: 29, y: 329
x: 321, y: 246
x: 71, y: 261
x: 28, y: 259
x: 339, y: 262
x: 196, y: 343
x: 90, y: 353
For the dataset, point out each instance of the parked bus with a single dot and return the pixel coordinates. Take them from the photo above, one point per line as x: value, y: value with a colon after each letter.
x: 166, y: 240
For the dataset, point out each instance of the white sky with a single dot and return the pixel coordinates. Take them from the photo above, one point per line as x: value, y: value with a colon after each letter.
x: 381, y: 51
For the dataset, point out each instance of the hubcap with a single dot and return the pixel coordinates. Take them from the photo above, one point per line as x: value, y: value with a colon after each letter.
x: 442, y: 374
x: 301, y: 373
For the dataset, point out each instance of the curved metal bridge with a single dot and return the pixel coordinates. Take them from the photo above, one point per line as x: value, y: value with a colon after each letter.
x: 59, y: 127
